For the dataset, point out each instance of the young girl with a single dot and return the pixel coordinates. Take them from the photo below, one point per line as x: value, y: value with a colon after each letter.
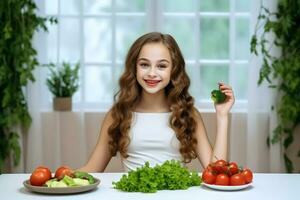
x: 153, y: 118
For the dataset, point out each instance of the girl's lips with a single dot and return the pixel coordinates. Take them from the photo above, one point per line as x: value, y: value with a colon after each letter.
x: 152, y: 83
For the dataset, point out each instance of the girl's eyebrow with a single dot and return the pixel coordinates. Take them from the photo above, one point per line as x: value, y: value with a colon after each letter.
x: 164, y: 60
x: 145, y: 59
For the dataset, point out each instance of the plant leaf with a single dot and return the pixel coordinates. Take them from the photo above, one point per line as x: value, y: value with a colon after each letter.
x: 288, y: 164
x: 288, y: 141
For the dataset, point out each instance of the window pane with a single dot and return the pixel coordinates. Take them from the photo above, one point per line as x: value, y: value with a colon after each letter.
x: 240, y: 80
x: 69, y: 7
x: 69, y: 40
x: 210, y: 75
x: 77, y: 96
x: 118, y: 71
x: 96, y: 6
x: 97, y: 40
x: 51, y: 7
x: 128, y: 29
x: 179, y: 5
x: 214, y: 38
x: 215, y: 5
x: 46, y: 96
x: 98, y: 84
x: 182, y: 29
x: 101, y: 82
x: 130, y: 6
x: 242, y: 43
x: 193, y: 72
x: 242, y: 5
x: 51, y: 43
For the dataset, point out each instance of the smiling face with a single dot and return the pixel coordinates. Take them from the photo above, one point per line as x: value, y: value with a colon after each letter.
x: 154, y: 67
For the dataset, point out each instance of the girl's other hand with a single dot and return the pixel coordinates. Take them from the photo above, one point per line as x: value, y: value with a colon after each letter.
x: 224, y: 108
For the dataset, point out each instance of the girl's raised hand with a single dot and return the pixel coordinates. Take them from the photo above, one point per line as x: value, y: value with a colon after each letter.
x: 224, y: 108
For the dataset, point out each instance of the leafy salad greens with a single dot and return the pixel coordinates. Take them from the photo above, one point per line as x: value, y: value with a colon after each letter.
x: 168, y: 176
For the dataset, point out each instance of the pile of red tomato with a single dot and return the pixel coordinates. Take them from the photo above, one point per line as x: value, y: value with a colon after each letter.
x: 42, y: 174
x: 226, y: 173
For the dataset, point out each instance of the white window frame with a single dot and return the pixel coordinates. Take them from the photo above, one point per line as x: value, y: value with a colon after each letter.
x: 154, y: 14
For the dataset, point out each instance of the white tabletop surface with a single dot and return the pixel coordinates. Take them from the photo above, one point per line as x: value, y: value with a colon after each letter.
x: 265, y: 186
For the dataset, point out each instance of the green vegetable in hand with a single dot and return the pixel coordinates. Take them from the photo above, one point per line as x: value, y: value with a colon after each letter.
x: 168, y: 176
x: 84, y: 175
x: 217, y: 96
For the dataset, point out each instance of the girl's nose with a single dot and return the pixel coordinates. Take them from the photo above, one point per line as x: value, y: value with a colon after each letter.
x: 152, y: 71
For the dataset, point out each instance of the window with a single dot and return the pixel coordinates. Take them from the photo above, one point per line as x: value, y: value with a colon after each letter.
x: 212, y: 34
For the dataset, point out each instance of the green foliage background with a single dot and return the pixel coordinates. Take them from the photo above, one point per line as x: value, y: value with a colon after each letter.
x: 285, y: 24
x: 18, y: 23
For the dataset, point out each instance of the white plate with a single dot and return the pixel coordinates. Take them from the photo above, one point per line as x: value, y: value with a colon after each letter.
x: 228, y: 188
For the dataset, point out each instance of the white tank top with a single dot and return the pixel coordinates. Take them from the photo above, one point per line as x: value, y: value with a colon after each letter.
x: 152, y: 140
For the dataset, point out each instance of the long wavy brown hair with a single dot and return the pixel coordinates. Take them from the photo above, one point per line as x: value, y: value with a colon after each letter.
x: 182, y: 119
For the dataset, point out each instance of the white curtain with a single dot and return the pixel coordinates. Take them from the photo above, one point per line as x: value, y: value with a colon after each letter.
x: 261, y: 119
x: 55, y: 138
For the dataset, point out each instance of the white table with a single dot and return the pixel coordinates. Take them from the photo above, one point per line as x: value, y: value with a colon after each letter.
x: 265, y: 186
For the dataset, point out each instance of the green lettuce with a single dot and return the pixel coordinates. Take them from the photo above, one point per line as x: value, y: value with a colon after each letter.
x: 168, y: 176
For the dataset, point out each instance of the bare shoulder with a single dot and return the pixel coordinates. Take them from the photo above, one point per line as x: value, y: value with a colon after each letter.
x: 108, y: 116
x: 197, y: 115
x: 108, y: 120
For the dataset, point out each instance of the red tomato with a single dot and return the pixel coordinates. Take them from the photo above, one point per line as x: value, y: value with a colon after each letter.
x: 209, y: 168
x: 39, y: 177
x: 237, y: 179
x: 62, y: 171
x: 220, y: 166
x: 233, y: 168
x: 45, y: 170
x: 248, y: 175
x: 208, y: 177
x: 222, y: 179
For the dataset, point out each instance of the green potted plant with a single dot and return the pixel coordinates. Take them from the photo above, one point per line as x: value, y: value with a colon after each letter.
x: 63, y: 83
